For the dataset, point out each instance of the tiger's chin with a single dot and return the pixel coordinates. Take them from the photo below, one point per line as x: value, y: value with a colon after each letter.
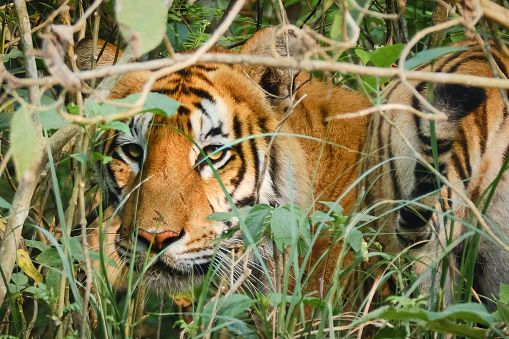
x: 177, y: 279
x: 164, y: 280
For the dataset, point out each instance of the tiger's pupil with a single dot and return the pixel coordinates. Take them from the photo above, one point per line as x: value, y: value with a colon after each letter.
x: 134, y: 151
x: 214, y: 155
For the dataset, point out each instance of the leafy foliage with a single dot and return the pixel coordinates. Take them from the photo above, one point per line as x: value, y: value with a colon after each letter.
x: 54, y: 261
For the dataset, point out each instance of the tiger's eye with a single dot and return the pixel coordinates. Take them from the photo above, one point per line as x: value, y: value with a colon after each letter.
x: 214, y: 155
x: 134, y: 150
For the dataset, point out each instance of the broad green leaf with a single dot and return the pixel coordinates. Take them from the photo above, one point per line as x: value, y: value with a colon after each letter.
x: 25, y: 144
x: 156, y: 103
x: 386, y: 56
x: 142, y: 23
x: 281, y: 224
x: 101, y: 157
x: 363, y: 55
x: 319, y: 217
x: 390, y: 333
x: 337, y: 26
x: 13, y: 53
x: 50, y: 258
x: 255, y: 221
x: 503, y: 311
x: 504, y: 293
x: 96, y: 256
x: 19, y: 279
x: 431, y: 54
x: 230, y: 306
x: 276, y: 299
x: 50, y: 119
x: 117, y: 125
x: 5, y: 204
x: 336, y: 209
x: 220, y: 216
x: 80, y: 157
x: 354, y: 239
x: 76, y: 249
x: 438, y: 321
x: 37, y: 244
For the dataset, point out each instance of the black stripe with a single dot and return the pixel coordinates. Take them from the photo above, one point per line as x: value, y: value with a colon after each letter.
x: 414, y: 217
x: 249, y: 200
x: 237, y: 128
x: 274, y: 169
x: 215, y: 131
x: 183, y: 110
x: 254, y: 152
x: 457, y: 164
x: 466, y: 60
x: 200, y: 93
x: 392, y: 164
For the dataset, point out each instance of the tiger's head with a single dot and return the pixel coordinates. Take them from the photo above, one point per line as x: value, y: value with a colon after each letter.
x: 169, y: 174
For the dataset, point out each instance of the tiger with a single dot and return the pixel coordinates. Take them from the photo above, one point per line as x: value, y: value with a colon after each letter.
x: 164, y: 189
x: 412, y: 209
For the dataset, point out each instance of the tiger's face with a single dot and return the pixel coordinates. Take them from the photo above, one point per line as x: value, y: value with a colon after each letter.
x: 169, y: 174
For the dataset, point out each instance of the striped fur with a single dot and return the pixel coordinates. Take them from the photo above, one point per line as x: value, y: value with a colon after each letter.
x: 472, y: 145
x: 170, y: 186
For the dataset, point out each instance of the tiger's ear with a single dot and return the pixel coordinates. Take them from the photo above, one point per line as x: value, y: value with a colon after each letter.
x: 277, y: 42
x: 105, y: 51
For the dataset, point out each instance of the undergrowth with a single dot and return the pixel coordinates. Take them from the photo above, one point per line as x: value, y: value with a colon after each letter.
x: 48, y: 287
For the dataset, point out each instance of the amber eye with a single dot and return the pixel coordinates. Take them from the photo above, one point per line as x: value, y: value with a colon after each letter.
x: 214, y: 153
x: 133, y: 151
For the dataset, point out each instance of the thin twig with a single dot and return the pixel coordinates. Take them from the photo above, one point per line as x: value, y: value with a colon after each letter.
x: 388, y: 107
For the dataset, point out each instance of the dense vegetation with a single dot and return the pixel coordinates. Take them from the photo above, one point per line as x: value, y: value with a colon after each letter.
x: 54, y: 113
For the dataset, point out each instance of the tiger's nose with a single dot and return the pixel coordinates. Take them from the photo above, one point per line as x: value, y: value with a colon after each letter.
x: 161, y: 240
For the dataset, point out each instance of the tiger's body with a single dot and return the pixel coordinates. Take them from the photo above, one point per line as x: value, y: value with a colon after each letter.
x: 169, y: 190
x: 472, y: 146
x: 164, y: 186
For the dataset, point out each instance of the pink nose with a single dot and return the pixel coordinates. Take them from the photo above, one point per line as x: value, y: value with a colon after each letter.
x: 161, y: 240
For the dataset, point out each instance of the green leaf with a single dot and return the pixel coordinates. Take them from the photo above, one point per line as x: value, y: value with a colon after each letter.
x: 281, y: 225
x: 315, y: 302
x: 354, y: 239
x: 25, y: 144
x: 230, y: 306
x: 76, y: 249
x: 504, y: 293
x: 386, y: 56
x: 5, y: 204
x: 116, y: 125
x: 276, y: 299
x: 50, y: 119
x: 319, y: 217
x: 19, y: 279
x: 142, y: 23
x: 50, y: 258
x: 37, y: 244
x: 503, y: 311
x: 255, y: 221
x: 96, y: 256
x: 337, y: 26
x: 156, y: 103
x: 438, y: 321
x: 220, y: 216
x: 431, y: 54
x: 101, y: 157
x: 13, y: 53
x: 80, y: 157
x: 363, y: 55
x: 390, y: 333
x: 336, y: 208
